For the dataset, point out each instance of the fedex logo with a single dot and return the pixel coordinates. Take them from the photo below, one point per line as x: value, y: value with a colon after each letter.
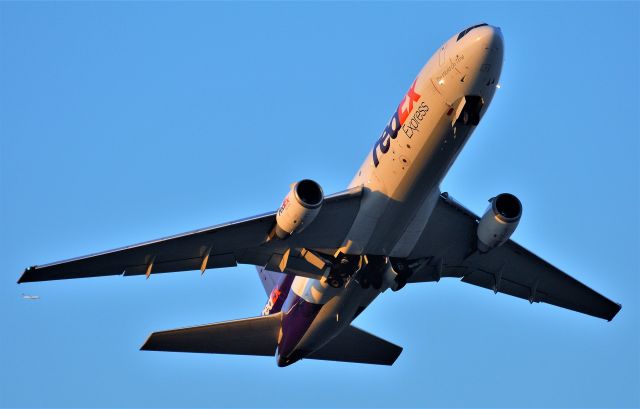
x: 283, y: 206
x: 273, y: 298
x: 394, y: 125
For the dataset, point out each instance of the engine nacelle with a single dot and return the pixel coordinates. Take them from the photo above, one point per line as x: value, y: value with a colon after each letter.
x: 301, y: 205
x: 499, y: 221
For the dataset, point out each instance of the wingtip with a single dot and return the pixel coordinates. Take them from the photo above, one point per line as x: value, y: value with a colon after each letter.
x: 397, y: 356
x: 615, y: 312
x: 145, y: 344
x: 24, y: 273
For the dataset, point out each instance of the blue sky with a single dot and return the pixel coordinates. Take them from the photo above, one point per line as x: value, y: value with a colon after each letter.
x: 122, y: 122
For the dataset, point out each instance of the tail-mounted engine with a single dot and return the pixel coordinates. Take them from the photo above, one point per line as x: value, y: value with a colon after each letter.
x: 301, y: 205
x: 499, y: 221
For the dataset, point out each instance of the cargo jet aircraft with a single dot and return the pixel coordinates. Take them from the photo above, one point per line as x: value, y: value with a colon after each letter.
x: 323, y: 260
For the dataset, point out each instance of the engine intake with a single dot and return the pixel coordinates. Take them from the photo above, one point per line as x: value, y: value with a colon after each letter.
x: 301, y: 205
x: 499, y: 221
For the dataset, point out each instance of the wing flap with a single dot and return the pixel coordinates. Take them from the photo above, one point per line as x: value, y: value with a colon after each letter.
x: 250, y: 336
x: 170, y: 266
x: 358, y: 346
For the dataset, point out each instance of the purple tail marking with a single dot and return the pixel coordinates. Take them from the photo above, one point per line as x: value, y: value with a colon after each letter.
x: 269, y: 279
x: 277, y: 285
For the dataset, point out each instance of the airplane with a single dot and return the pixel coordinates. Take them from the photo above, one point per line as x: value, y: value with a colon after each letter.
x: 323, y: 259
x: 30, y: 297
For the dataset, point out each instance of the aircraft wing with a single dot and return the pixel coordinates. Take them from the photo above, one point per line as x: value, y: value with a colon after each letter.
x: 448, y: 245
x: 226, y: 245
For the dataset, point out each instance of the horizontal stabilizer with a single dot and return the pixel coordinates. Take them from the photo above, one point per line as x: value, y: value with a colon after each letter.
x: 356, y: 345
x: 250, y: 336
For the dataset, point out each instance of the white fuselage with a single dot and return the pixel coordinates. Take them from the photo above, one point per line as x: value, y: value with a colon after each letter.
x: 403, y: 171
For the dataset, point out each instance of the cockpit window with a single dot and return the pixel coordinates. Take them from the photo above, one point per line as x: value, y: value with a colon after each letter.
x: 464, y: 32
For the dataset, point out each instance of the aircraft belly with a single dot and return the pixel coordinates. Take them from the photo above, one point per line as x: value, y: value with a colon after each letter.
x: 412, y: 233
x: 335, y: 316
x: 406, y: 176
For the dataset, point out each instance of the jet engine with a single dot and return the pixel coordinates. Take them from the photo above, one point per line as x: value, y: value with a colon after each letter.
x: 499, y: 221
x: 301, y: 205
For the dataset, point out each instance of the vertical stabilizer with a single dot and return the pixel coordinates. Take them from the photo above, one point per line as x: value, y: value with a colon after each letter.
x: 269, y: 279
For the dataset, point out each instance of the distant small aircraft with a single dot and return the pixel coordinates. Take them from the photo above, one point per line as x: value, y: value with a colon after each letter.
x: 30, y: 297
x: 323, y: 260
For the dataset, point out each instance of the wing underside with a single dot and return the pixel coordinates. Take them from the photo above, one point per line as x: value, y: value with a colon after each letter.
x: 448, y: 243
x: 446, y: 248
x: 226, y: 245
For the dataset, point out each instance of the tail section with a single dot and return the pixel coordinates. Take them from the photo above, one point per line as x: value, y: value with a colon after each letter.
x: 269, y: 279
x: 277, y: 286
x: 259, y: 336
x: 356, y: 345
x: 250, y: 336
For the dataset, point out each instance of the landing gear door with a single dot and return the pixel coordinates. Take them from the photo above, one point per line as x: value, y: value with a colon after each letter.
x: 467, y: 110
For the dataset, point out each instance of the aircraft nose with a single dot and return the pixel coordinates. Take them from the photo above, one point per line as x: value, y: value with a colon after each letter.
x: 487, y: 41
x: 490, y: 52
x: 477, y: 58
x: 492, y: 32
x: 494, y: 38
